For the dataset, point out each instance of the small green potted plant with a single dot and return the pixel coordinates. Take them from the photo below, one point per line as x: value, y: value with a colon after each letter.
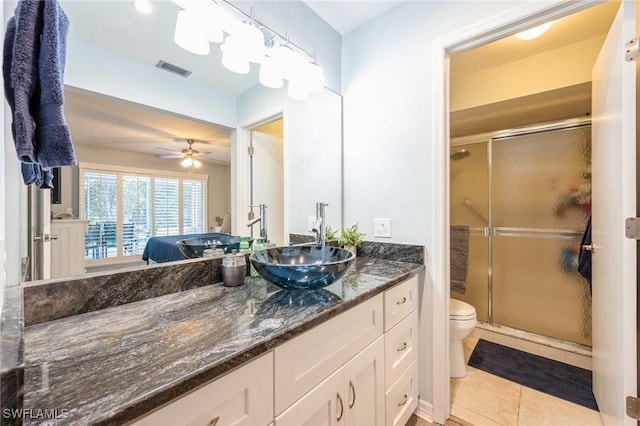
x: 351, y: 238
x: 330, y: 234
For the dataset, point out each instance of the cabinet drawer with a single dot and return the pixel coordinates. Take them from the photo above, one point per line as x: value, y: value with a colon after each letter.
x: 303, y: 362
x: 242, y: 397
x: 402, y: 398
x: 401, y: 348
x: 399, y: 301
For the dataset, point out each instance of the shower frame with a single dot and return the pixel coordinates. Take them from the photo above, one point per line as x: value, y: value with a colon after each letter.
x: 489, y: 231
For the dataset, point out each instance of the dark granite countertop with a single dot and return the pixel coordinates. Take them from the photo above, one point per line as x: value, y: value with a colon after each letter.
x: 113, y: 365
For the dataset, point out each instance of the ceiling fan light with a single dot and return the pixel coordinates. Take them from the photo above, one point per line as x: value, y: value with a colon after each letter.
x: 189, y: 33
x: 143, y: 6
x: 187, y: 162
x: 197, y: 163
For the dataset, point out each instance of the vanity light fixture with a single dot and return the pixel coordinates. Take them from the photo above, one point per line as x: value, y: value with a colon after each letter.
x: 270, y: 73
x: 190, y: 34
x: 314, y: 75
x: 232, y: 57
x: 534, y: 32
x: 244, y: 43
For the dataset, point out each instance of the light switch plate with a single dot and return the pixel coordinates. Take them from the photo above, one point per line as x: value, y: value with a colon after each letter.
x: 382, y: 228
x: 312, y: 221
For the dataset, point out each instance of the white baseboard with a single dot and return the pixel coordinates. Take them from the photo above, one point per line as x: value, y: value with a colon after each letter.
x: 424, y: 410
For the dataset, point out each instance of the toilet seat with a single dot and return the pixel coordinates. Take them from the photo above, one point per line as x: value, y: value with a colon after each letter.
x: 461, y: 311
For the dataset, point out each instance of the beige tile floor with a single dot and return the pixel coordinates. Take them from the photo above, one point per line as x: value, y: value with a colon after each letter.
x: 482, y: 399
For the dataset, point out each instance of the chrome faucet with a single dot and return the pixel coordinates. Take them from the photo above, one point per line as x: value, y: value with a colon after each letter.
x: 262, y: 219
x: 319, y: 225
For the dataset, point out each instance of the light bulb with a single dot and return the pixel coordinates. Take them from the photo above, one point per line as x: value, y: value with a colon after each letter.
x: 232, y: 57
x: 197, y: 163
x: 190, y: 34
x: 534, y: 32
x: 251, y: 42
x: 187, y: 162
x: 143, y: 6
x: 270, y: 73
x: 298, y: 90
x: 315, y: 77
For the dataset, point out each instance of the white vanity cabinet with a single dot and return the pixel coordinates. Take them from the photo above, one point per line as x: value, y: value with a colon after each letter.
x: 348, y: 371
x: 67, y: 247
x: 242, y: 397
x: 353, y: 395
x: 345, y: 371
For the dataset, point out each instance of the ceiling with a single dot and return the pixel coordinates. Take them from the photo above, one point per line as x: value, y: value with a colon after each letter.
x: 346, y: 15
x: 147, y: 38
x: 560, y: 104
x: 571, y: 29
x: 102, y: 121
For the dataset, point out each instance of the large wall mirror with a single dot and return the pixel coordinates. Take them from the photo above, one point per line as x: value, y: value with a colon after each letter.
x: 131, y: 119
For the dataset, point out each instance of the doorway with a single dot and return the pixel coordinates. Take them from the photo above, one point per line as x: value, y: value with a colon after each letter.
x: 266, y: 180
x: 471, y: 37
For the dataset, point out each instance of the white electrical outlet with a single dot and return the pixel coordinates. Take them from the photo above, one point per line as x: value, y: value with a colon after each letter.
x: 312, y: 221
x: 382, y: 228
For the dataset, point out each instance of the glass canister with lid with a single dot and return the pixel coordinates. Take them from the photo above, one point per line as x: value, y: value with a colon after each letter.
x: 234, y: 269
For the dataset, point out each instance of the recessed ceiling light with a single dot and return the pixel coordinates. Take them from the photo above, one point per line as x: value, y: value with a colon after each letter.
x: 143, y: 6
x: 534, y: 32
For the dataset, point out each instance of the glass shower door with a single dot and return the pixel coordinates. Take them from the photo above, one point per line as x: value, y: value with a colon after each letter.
x: 469, y: 200
x: 541, y: 192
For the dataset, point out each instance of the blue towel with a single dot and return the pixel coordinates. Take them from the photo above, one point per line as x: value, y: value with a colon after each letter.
x: 584, y: 259
x: 33, y: 66
x: 459, y: 256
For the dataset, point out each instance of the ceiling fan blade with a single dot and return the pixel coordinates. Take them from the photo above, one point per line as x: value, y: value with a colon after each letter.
x: 172, y: 151
x: 168, y: 157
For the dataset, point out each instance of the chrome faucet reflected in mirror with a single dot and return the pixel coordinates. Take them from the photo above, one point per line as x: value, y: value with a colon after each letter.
x: 319, y: 225
x: 262, y: 218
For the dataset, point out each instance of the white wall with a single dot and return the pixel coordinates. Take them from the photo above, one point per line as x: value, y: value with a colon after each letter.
x: 97, y: 70
x: 388, y: 112
x: 312, y: 152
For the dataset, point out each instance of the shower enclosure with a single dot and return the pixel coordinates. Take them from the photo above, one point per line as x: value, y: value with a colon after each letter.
x: 526, y: 196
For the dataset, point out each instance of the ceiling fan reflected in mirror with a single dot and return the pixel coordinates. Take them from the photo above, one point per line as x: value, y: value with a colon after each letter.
x: 188, y: 155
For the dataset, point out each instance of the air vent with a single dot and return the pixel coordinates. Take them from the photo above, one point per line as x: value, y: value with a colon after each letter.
x: 173, y: 68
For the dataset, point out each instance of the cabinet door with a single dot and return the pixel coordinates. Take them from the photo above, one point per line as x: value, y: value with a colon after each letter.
x: 324, y: 405
x: 306, y: 360
x: 242, y: 397
x: 364, y: 386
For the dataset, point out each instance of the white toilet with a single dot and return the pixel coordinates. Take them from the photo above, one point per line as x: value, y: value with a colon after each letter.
x: 462, y: 321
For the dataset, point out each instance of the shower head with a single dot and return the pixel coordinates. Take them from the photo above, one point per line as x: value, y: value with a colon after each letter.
x: 459, y: 154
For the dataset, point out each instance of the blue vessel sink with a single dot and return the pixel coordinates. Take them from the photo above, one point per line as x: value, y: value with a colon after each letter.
x: 195, y: 247
x: 302, y: 267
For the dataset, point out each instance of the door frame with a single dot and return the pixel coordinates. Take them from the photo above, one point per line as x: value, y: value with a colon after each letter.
x: 240, y: 140
x: 502, y: 25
